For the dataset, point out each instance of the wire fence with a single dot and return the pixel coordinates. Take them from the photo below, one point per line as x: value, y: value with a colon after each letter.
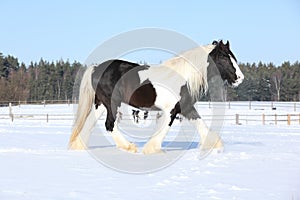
x: 238, y: 119
x: 38, y: 102
x: 261, y: 114
x: 252, y: 105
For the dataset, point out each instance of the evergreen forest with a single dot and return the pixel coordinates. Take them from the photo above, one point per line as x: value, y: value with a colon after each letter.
x: 55, y: 81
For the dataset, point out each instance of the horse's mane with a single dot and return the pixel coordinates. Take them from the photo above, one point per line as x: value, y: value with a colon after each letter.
x: 192, y: 66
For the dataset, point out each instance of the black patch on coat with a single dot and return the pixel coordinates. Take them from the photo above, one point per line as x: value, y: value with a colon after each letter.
x: 117, y: 81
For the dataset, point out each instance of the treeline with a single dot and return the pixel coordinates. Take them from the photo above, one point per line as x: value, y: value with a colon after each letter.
x: 38, y: 81
x: 267, y: 82
x: 45, y: 80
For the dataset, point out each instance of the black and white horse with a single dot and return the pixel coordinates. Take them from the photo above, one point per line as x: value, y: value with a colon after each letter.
x: 173, y: 87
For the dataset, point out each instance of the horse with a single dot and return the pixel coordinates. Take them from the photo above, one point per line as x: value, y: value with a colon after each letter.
x: 173, y: 87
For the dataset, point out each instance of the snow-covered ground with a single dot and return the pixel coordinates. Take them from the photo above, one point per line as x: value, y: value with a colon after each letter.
x: 259, y: 161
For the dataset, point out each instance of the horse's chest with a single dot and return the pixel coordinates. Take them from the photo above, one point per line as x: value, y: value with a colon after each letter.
x: 167, y: 83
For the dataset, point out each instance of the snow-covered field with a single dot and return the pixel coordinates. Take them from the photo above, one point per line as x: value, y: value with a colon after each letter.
x: 259, y: 161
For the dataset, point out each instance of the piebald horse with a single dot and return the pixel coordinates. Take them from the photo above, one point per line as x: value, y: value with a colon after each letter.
x: 172, y: 87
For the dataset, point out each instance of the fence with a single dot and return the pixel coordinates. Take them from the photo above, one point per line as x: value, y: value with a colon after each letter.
x: 250, y: 105
x: 238, y: 119
x: 38, y: 117
x: 295, y: 106
x: 288, y: 119
x: 38, y: 102
x: 259, y: 113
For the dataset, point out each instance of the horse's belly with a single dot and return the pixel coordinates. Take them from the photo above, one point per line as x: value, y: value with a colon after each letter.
x: 144, y: 96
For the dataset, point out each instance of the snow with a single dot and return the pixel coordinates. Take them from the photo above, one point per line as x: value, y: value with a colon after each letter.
x: 259, y: 161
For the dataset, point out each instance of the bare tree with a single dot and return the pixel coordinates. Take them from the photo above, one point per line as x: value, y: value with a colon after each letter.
x: 277, y: 79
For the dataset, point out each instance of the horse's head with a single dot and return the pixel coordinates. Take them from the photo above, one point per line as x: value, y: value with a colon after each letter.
x: 226, y: 63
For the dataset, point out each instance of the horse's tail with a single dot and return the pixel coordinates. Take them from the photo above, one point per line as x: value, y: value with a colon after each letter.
x: 86, y: 99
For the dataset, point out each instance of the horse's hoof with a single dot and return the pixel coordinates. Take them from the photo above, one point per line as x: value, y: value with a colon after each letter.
x: 211, y: 148
x: 217, y: 150
x: 132, y: 148
x: 152, y: 150
x: 212, y: 141
x: 77, y: 145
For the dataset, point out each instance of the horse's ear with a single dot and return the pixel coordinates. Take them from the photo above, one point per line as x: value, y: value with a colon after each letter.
x: 227, y: 44
x: 214, y: 42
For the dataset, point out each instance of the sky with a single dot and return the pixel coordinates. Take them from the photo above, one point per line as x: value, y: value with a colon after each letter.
x: 266, y: 31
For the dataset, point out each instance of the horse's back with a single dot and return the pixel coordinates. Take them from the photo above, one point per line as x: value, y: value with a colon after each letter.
x: 111, y: 71
x: 119, y: 80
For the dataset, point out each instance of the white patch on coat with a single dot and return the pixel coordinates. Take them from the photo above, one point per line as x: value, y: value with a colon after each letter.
x: 238, y: 72
x: 188, y: 68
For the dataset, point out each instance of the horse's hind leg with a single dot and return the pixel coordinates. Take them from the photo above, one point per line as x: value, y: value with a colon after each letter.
x: 111, y: 125
x: 154, y: 144
x: 121, y: 141
x: 81, y: 142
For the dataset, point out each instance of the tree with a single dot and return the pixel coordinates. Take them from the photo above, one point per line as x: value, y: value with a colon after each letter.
x: 61, y: 79
x: 264, y: 84
x: 277, y: 80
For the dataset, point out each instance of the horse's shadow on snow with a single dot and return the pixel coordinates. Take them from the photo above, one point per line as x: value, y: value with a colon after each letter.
x: 179, y: 145
x: 233, y: 143
x: 166, y: 146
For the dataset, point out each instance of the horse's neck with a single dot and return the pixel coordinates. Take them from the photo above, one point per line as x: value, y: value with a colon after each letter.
x: 190, y: 62
x: 181, y: 67
x: 192, y: 66
x: 215, y: 84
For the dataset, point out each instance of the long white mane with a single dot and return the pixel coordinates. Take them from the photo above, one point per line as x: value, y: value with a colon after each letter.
x: 192, y: 66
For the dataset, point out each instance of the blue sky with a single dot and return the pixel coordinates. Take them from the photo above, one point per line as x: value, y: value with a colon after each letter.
x: 266, y: 31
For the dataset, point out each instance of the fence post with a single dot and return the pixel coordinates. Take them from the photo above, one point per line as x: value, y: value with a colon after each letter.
x: 249, y: 105
x: 295, y: 107
x: 209, y: 104
x: 263, y: 119
x: 299, y: 119
x: 47, y: 117
x: 289, y: 119
x: 228, y: 104
x: 237, y: 118
x: 272, y: 106
x: 275, y: 119
x: 11, y: 115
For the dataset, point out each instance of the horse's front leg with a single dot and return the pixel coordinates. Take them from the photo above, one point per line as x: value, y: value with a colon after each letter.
x: 209, y: 139
x: 154, y: 144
